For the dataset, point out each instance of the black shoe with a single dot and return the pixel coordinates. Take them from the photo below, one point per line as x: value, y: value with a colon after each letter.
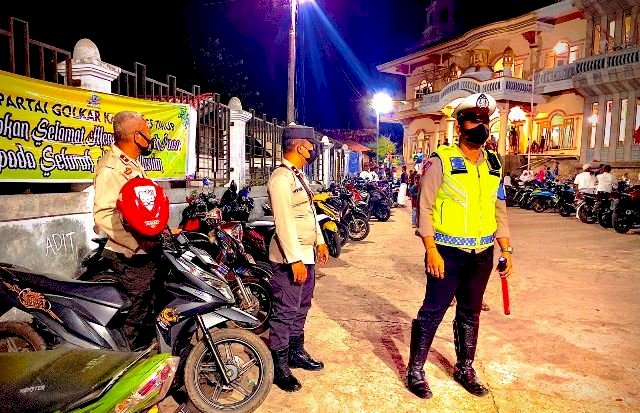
x: 466, y: 377
x: 299, y: 358
x: 282, y: 376
x: 421, y: 339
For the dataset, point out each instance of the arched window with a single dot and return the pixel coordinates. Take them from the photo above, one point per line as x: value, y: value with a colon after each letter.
x: 444, y: 15
x: 557, y: 122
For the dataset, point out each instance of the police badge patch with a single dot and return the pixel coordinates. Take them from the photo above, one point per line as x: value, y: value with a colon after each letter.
x: 482, y: 102
x: 458, y: 166
x: 426, y: 166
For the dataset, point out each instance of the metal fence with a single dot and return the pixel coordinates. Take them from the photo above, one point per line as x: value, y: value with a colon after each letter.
x: 31, y: 58
x: 213, y: 132
x: 263, y: 145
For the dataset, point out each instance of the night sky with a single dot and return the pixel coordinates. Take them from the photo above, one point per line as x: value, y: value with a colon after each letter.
x: 240, y: 47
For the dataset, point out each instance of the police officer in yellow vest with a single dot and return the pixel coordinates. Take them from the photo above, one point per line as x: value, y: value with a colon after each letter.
x: 461, y: 213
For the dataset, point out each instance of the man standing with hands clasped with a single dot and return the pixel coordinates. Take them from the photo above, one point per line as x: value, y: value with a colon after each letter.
x: 297, y: 244
x: 461, y: 213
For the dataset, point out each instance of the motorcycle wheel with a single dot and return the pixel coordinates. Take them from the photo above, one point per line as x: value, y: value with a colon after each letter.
x: 262, y: 292
x: 538, y: 206
x: 565, y: 210
x: 382, y: 213
x: 17, y: 337
x: 248, y: 365
x: 621, y: 221
x: 333, y: 243
x: 344, y: 234
x: 585, y: 214
x: 358, y: 228
x: 605, y: 219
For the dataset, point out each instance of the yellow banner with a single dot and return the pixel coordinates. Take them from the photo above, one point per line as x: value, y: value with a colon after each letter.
x: 54, y: 133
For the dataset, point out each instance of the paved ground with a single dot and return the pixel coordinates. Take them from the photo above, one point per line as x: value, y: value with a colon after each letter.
x: 570, y: 345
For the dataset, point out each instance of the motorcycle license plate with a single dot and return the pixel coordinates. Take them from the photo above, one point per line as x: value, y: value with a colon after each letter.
x: 250, y: 259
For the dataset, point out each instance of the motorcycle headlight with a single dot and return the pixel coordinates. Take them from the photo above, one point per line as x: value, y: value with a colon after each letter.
x: 210, y: 279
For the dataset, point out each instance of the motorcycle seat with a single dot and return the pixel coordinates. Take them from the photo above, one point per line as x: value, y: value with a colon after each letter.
x: 54, y: 380
x: 105, y: 293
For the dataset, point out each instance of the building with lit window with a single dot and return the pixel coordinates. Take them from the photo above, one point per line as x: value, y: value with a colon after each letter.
x: 566, y: 78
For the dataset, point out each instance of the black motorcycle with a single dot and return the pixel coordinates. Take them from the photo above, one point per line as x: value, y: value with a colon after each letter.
x: 223, y: 369
x: 626, y: 210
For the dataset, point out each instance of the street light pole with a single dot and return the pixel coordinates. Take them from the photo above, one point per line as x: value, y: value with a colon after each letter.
x: 291, y: 110
x: 377, y: 136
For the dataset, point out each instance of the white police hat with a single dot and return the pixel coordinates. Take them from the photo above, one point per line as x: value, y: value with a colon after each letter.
x: 479, y: 103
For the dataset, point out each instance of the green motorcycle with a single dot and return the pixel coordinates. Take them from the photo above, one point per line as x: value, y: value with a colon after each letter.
x: 82, y: 381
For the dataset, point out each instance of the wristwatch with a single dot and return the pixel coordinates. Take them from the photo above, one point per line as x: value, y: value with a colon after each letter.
x: 509, y: 249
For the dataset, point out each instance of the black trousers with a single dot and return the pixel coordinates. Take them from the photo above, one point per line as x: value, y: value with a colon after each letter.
x: 466, y: 277
x: 292, y: 303
x: 137, y: 275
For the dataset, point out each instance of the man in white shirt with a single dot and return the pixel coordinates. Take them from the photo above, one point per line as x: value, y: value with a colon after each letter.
x: 606, y: 181
x: 365, y: 175
x: 585, y: 181
x: 373, y: 176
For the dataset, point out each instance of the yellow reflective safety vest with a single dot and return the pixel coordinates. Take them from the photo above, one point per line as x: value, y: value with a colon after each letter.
x: 464, y: 214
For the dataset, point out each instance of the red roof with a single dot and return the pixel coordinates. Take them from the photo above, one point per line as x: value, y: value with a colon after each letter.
x: 355, y: 146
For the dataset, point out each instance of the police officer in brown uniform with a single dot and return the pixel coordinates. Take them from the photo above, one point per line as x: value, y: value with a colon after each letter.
x: 461, y: 214
x: 296, y: 247
x: 132, y: 264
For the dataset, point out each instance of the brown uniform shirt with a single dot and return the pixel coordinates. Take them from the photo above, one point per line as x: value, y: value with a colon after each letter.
x: 430, y: 183
x: 297, y: 231
x: 114, y: 170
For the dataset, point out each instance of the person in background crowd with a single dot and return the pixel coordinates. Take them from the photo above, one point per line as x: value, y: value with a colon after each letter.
x: 418, y: 158
x: 556, y: 169
x: 626, y: 179
x: 543, y: 143
x: 542, y: 174
x: 402, y: 192
x: 534, y: 147
x: 365, y: 175
x: 606, y: 181
x: 524, y: 176
x: 414, y: 190
x: 585, y: 182
x: 549, y: 176
x: 373, y: 176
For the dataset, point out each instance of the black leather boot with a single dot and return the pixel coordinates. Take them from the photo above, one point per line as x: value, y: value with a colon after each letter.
x: 421, y: 340
x: 282, y: 376
x: 466, y: 338
x: 298, y: 356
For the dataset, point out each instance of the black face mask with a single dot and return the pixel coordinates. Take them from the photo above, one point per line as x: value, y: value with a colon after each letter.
x: 313, y: 155
x: 145, y: 150
x: 477, y: 135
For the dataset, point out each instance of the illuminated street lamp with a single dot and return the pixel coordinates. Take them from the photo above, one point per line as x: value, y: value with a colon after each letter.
x: 381, y: 103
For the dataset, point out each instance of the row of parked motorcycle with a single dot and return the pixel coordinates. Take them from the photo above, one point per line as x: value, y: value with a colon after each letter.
x: 214, y: 300
x: 619, y: 209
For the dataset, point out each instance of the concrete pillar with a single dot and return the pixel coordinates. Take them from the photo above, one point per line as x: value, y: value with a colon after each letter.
x: 450, y: 124
x: 237, y: 141
x: 345, y: 166
x: 326, y: 161
x: 619, y: 33
x: 504, y: 120
x: 634, y: 26
x: 406, y: 144
x: 631, y: 123
x: 604, y: 33
x: 86, y: 66
x: 588, y: 42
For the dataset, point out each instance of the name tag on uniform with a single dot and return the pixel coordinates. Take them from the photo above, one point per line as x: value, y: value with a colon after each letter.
x: 458, y: 166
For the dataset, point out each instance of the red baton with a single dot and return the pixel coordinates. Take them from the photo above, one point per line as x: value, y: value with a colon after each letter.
x: 502, y: 265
